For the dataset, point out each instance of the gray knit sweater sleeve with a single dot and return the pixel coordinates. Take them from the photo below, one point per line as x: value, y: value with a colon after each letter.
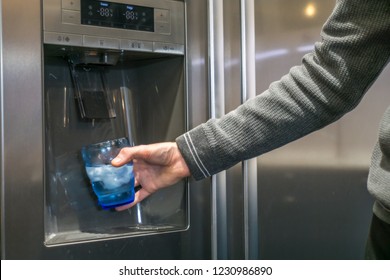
x: 330, y: 82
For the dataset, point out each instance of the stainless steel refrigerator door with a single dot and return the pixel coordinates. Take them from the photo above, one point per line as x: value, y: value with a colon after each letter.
x: 22, y: 164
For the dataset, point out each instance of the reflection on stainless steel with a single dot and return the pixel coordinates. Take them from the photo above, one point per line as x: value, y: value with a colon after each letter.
x: 66, y: 117
x: 129, y: 109
x: 310, y: 10
x: 271, y: 54
x: 305, y: 48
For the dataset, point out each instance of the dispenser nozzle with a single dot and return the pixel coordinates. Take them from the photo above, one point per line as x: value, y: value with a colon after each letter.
x: 95, y: 57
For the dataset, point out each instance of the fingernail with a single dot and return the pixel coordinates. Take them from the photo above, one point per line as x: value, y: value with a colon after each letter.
x: 116, y: 160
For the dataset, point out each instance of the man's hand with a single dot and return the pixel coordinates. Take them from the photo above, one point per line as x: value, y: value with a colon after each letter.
x: 155, y: 166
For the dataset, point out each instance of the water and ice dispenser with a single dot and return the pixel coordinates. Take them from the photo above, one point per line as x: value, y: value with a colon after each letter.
x: 111, y: 70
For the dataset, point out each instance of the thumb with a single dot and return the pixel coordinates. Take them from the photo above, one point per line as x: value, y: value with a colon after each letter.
x: 125, y: 155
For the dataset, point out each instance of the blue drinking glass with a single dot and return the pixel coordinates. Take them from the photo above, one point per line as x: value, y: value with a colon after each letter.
x: 113, y: 186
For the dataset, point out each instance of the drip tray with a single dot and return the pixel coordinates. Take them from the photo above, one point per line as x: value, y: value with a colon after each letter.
x: 99, y: 234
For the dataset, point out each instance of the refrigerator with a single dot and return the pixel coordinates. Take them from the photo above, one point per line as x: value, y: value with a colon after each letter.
x: 173, y: 66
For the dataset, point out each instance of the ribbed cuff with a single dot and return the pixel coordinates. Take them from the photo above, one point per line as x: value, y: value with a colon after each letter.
x: 381, y: 212
x: 197, y: 157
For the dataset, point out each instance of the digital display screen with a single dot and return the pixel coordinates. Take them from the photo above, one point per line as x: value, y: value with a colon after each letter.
x: 116, y: 15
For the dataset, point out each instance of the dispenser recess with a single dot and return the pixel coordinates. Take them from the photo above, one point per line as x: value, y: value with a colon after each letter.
x: 102, y: 82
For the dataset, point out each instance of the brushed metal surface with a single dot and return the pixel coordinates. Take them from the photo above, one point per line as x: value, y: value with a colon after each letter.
x: 22, y: 143
x: 313, y: 198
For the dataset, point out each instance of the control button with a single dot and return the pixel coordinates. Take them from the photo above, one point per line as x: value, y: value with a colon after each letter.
x: 71, y: 17
x: 134, y: 45
x: 62, y: 39
x: 71, y: 5
x: 168, y: 48
x: 162, y: 28
x: 99, y: 42
x: 161, y: 15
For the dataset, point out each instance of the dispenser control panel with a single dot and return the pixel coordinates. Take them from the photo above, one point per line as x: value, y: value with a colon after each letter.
x: 126, y: 16
x: 137, y: 25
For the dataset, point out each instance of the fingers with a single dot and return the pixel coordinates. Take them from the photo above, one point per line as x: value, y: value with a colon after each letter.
x: 152, y: 153
x: 139, y: 196
x: 128, y: 154
x: 124, y: 156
